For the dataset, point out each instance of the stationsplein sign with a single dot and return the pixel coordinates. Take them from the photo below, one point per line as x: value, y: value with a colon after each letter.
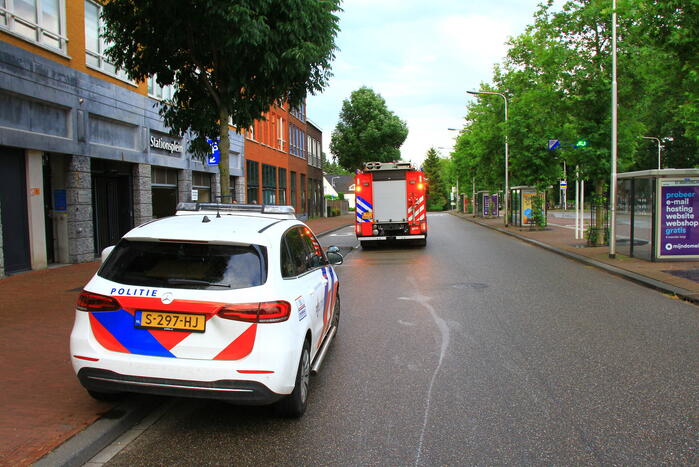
x: 160, y: 143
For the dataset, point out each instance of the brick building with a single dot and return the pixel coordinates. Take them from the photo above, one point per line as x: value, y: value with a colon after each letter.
x: 283, y: 161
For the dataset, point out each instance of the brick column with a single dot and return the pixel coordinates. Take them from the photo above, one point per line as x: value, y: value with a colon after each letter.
x: 184, y: 186
x: 142, y: 194
x: 81, y: 243
x: 216, y: 189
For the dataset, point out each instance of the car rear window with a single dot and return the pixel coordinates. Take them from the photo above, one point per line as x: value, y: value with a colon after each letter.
x: 186, y: 265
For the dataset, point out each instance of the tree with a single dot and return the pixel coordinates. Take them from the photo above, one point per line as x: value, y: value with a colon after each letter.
x: 437, y: 196
x: 367, y: 131
x: 230, y: 61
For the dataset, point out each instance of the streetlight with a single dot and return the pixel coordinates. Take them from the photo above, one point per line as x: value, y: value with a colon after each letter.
x: 658, y: 141
x: 612, y: 188
x: 507, y: 180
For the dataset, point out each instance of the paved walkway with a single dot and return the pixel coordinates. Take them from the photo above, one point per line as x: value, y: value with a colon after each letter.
x: 559, y: 236
x: 41, y: 402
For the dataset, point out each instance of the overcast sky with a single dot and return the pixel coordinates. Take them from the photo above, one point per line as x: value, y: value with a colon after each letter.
x: 421, y: 56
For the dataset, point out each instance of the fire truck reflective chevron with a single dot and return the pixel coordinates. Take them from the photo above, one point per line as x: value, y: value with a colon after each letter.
x: 417, y: 211
x: 363, y: 209
x: 390, y: 203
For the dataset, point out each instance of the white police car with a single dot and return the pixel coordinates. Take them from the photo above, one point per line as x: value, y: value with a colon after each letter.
x: 233, y: 302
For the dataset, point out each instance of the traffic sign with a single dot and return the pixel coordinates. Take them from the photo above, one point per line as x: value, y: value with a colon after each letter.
x: 554, y: 144
x: 215, y: 155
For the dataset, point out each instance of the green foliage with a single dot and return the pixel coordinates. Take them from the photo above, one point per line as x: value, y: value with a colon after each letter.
x: 538, y: 210
x: 437, y: 193
x: 227, y: 59
x: 367, y: 131
x: 557, y: 78
x: 332, y: 167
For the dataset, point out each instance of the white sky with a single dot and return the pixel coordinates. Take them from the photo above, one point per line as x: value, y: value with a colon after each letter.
x: 421, y: 56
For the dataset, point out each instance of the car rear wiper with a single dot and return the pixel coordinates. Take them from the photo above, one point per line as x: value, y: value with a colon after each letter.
x: 175, y: 281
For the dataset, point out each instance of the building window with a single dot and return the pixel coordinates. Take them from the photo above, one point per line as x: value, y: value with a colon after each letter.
x: 201, y: 182
x: 253, y: 181
x: 163, y: 93
x: 280, y: 133
x: 40, y: 21
x: 95, y: 45
x: 303, y: 193
x: 296, y: 141
x: 269, y: 184
x: 164, y: 191
x: 282, y: 187
x: 293, y: 189
x: 299, y: 112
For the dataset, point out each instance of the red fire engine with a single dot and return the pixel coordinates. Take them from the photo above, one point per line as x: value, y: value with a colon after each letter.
x: 390, y: 203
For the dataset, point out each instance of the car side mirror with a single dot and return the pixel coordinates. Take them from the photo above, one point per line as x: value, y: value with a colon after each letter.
x: 333, y: 249
x: 334, y: 257
x: 106, y: 252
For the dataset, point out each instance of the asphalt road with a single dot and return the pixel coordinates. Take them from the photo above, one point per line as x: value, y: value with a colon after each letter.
x: 477, y: 349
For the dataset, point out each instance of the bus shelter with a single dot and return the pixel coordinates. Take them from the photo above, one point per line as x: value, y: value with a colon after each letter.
x: 657, y: 214
x: 521, y: 205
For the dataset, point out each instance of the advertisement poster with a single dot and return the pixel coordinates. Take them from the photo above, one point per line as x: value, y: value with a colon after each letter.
x: 679, y: 220
x: 527, y: 205
x: 486, y: 205
x: 496, y: 208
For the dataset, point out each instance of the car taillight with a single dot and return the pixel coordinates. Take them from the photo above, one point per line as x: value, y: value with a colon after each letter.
x: 266, y: 312
x: 88, y: 301
x: 358, y: 228
x: 423, y: 226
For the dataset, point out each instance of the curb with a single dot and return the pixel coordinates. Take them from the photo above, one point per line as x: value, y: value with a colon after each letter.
x: 334, y: 229
x: 639, y: 279
x: 83, y: 446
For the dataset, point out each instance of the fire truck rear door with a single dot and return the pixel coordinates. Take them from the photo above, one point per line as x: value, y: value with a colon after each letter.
x: 390, y: 203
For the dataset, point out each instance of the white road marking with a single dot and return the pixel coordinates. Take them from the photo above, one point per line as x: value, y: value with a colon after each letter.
x: 444, y: 333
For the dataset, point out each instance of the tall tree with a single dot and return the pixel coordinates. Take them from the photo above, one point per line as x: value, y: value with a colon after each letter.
x: 437, y: 191
x: 229, y: 60
x: 367, y: 131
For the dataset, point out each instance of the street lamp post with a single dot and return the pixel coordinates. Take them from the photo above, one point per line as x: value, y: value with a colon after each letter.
x: 507, y: 180
x: 612, y: 188
x: 658, y: 141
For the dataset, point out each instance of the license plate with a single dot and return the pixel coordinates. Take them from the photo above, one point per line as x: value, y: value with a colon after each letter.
x: 170, y: 321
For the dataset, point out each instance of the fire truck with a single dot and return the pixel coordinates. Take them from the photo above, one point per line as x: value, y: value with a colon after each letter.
x: 390, y: 203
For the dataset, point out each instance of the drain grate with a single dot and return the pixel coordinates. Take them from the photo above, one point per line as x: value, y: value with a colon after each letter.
x: 691, y: 274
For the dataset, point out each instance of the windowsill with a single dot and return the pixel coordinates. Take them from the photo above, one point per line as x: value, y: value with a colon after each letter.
x: 131, y: 83
x: 48, y: 48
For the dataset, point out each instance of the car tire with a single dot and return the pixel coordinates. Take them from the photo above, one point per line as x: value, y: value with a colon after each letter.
x: 336, y: 313
x: 294, y: 405
x: 421, y: 243
x: 365, y: 245
x: 105, y: 396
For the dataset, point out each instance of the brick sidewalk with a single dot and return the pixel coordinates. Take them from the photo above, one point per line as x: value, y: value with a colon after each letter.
x: 562, y: 238
x: 41, y: 402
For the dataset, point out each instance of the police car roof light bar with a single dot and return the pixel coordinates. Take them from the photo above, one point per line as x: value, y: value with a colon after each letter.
x: 227, y: 207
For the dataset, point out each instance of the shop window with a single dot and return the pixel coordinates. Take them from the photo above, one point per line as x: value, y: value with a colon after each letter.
x: 253, y: 181
x: 95, y: 44
x: 201, y: 182
x: 39, y: 21
x: 269, y: 184
x: 164, y: 191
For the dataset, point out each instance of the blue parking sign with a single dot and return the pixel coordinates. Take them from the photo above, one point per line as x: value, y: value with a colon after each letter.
x: 215, y: 155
